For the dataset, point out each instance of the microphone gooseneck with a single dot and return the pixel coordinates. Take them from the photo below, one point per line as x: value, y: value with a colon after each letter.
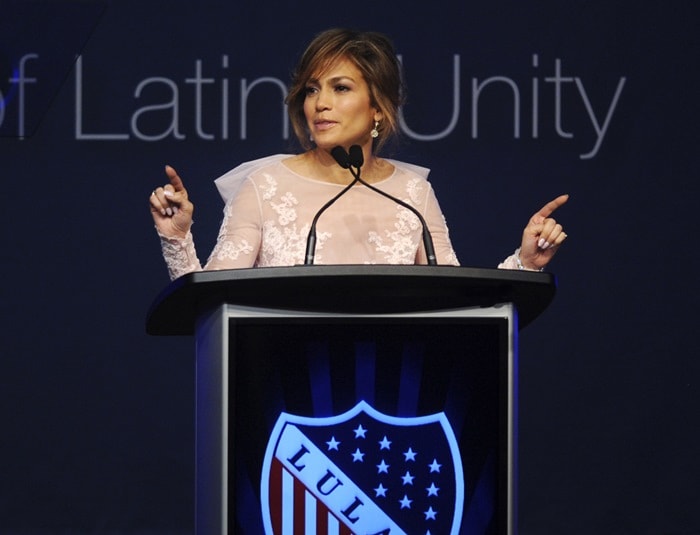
x: 356, y: 158
x: 341, y: 157
x: 353, y: 161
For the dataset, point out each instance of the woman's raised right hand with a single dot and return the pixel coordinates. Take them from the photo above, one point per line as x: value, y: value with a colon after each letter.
x: 171, y: 208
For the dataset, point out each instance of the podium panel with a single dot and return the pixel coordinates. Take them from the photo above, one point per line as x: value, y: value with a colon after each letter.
x: 372, y: 400
x: 311, y: 422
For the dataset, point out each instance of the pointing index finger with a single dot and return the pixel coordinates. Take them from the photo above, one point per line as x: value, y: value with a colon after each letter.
x: 174, y: 178
x: 549, y: 208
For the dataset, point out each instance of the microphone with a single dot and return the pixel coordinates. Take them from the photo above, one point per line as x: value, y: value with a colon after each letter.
x: 343, y: 160
x: 354, y: 159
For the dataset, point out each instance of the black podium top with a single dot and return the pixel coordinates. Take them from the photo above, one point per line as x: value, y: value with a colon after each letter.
x: 348, y: 289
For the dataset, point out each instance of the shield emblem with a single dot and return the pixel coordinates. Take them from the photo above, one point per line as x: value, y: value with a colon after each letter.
x: 362, y: 472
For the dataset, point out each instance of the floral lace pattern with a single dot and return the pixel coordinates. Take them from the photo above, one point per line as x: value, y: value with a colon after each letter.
x: 398, y: 245
x: 180, y: 255
x: 266, y: 223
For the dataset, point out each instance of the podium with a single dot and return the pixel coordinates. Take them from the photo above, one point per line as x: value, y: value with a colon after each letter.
x: 355, y: 399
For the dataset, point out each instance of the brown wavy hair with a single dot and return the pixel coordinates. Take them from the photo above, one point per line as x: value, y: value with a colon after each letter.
x: 374, y: 55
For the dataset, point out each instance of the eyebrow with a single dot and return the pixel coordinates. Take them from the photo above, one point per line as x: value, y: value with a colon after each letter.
x: 333, y: 80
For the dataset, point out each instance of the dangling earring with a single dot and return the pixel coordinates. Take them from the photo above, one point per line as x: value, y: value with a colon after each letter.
x: 374, y: 132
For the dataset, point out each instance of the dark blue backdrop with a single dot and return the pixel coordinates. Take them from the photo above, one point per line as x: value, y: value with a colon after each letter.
x: 97, y: 417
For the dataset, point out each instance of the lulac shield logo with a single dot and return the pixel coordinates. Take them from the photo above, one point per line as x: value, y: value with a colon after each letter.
x: 363, y: 473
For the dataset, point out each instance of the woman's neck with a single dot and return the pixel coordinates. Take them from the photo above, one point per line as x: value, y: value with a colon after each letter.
x: 320, y: 165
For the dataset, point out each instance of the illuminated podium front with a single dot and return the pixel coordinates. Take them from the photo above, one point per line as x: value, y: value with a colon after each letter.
x: 354, y: 399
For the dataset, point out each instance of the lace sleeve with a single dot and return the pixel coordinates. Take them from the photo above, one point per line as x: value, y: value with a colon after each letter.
x: 440, y: 234
x: 510, y: 262
x: 513, y: 262
x: 240, y: 234
x: 180, y: 255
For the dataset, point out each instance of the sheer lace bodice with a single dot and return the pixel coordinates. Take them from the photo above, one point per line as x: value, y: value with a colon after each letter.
x: 269, y: 210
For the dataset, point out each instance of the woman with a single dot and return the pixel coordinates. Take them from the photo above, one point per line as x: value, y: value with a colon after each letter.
x: 345, y: 91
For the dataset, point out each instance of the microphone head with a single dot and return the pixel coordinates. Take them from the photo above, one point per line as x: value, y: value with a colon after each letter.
x: 356, y: 158
x: 340, y: 156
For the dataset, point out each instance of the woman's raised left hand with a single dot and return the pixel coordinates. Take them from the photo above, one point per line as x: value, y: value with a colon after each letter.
x: 542, y: 236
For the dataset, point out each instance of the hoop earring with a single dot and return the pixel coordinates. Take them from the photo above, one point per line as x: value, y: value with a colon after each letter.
x: 374, y: 132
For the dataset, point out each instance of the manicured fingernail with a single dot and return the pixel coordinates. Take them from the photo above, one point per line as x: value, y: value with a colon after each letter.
x: 541, y: 243
x: 167, y: 193
x: 175, y: 209
x: 169, y: 211
x: 162, y: 211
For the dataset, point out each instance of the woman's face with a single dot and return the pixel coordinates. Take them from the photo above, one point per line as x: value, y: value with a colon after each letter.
x: 338, y: 107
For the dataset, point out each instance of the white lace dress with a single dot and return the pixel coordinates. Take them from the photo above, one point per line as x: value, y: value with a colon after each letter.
x: 269, y: 210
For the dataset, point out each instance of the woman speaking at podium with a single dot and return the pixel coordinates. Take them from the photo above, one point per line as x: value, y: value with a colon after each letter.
x: 346, y: 92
